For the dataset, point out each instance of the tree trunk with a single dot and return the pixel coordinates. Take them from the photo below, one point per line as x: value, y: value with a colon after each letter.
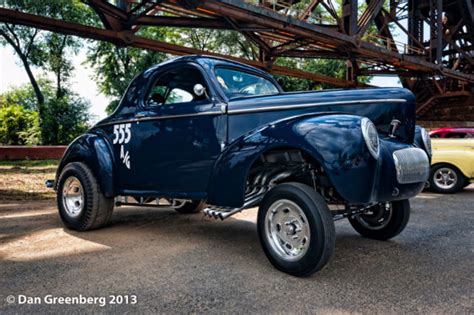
x: 34, y: 83
x: 24, y: 60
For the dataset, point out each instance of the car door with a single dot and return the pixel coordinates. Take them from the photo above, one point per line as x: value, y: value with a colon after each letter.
x: 180, y: 135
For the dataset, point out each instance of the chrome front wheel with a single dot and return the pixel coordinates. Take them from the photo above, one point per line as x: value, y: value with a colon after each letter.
x: 287, y: 229
x: 296, y: 229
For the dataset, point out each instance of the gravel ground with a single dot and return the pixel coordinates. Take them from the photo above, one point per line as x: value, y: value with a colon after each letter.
x: 181, y: 264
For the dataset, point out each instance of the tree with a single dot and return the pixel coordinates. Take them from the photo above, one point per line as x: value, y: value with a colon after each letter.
x: 49, y: 51
x: 63, y: 118
x: 115, y: 67
x: 18, y: 125
x: 25, y: 96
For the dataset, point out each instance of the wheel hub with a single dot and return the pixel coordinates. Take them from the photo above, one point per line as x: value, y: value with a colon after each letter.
x: 445, y: 178
x: 376, y: 217
x: 287, y: 230
x: 73, y: 196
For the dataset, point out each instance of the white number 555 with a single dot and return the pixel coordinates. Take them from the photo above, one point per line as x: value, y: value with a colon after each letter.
x: 122, y: 133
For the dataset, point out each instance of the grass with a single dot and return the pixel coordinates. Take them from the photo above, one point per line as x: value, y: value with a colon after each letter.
x: 29, y: 163
x: 25, y: 179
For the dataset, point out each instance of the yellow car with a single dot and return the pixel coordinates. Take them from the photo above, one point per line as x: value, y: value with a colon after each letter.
x: 452, y: 166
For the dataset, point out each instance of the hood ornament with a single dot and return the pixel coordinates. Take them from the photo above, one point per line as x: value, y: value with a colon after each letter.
x: 393, y: 127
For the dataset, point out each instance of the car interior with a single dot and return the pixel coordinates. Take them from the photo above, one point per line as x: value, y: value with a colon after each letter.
x: 176, y: 86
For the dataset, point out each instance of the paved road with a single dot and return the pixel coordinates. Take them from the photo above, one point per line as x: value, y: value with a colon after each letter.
x: 175, y: 263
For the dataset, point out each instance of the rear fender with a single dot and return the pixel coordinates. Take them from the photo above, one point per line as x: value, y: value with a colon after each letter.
x: 335, y: 141
x: 93, y: 150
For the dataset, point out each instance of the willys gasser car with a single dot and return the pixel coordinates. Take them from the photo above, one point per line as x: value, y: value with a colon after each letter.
x: 201, y: 133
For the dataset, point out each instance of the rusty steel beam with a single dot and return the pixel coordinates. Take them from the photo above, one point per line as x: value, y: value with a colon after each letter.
x: 349, y: 16
x: 245, y: 12
x: 130, y: 39
x: 309, y: 9
x: 189, y: 22
x: 241, y: 11
x: 309, y: 53
x: 373, y: 9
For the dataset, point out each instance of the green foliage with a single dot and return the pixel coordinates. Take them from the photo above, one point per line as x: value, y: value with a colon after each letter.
x: 25, y: 96
x: 18, y: 125
x: 64, y: 119
x: 115, y: 66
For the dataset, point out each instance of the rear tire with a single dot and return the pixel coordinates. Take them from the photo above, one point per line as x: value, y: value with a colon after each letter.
x: 82, y: 205
x: 380, y: 223
x: 446, y: 179
x: 191, y: 207
x: 296, y: 229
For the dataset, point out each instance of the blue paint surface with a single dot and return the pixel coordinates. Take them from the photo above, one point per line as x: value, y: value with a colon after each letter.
x: 204, y: 149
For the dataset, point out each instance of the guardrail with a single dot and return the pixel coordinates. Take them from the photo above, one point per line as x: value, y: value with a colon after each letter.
x: 19, y: 152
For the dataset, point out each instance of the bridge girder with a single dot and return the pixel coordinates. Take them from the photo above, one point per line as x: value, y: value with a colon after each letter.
x: 443, y: 64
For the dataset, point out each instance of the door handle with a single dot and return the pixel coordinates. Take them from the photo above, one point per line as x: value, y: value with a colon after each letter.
x: 140, y: 115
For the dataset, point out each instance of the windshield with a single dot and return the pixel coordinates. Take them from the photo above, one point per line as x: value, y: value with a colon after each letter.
x: 237, y: 83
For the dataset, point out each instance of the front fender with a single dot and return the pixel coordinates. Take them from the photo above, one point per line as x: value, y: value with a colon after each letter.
x: 335, y: 141
x: 93, y: 150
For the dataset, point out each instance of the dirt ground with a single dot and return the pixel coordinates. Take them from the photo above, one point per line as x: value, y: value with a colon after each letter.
x: 177, y: 263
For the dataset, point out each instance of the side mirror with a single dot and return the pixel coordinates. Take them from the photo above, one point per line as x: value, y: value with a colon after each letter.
x: 199, y: 90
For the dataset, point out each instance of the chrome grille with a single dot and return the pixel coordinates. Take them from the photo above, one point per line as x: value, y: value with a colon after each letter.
x: 412, y: 165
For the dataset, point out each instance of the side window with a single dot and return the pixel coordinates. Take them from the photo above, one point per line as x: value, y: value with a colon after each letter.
x: 177, y: 95
x: 456, y: 135
x: 176, y: 86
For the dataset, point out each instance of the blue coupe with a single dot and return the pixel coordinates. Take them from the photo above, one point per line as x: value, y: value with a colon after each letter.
x: 205, y: 134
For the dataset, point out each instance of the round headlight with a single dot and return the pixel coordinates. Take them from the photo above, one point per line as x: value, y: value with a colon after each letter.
x: 426, y: 141
x: 371, y: 136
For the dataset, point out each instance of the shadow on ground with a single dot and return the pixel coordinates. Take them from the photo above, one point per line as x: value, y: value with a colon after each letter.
x: 178, y: 263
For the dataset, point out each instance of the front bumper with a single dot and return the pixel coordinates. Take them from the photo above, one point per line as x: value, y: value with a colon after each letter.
x: 411, y: 165
x: 402, y: 171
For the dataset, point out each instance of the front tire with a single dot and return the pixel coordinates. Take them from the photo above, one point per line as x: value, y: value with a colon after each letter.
x: 82, y: 205
x: 296, y: 229
x: 446, y: 179
x: 381, y: 222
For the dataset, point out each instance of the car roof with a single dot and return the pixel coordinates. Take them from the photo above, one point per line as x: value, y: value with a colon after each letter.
x: 454, y: 129
x: 212, y: 61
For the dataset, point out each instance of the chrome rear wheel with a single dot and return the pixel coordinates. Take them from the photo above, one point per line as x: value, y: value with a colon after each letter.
x: 445, y: 178
x: 73, y: 197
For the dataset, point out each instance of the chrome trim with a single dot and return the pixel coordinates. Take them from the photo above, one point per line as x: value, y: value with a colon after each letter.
x: 287, y: 230
x: 284, y: 107
x: 250, y: 110
x: 445, y: 178
x: 374, y: 149
x: 140, y: 119
x: 411, y: 165
x: 425, y: 136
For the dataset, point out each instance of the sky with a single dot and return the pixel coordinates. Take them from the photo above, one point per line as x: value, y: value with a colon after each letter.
x: 12, y: 74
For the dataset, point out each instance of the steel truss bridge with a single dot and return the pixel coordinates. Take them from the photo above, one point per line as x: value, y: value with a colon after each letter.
x: 435, y: 59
